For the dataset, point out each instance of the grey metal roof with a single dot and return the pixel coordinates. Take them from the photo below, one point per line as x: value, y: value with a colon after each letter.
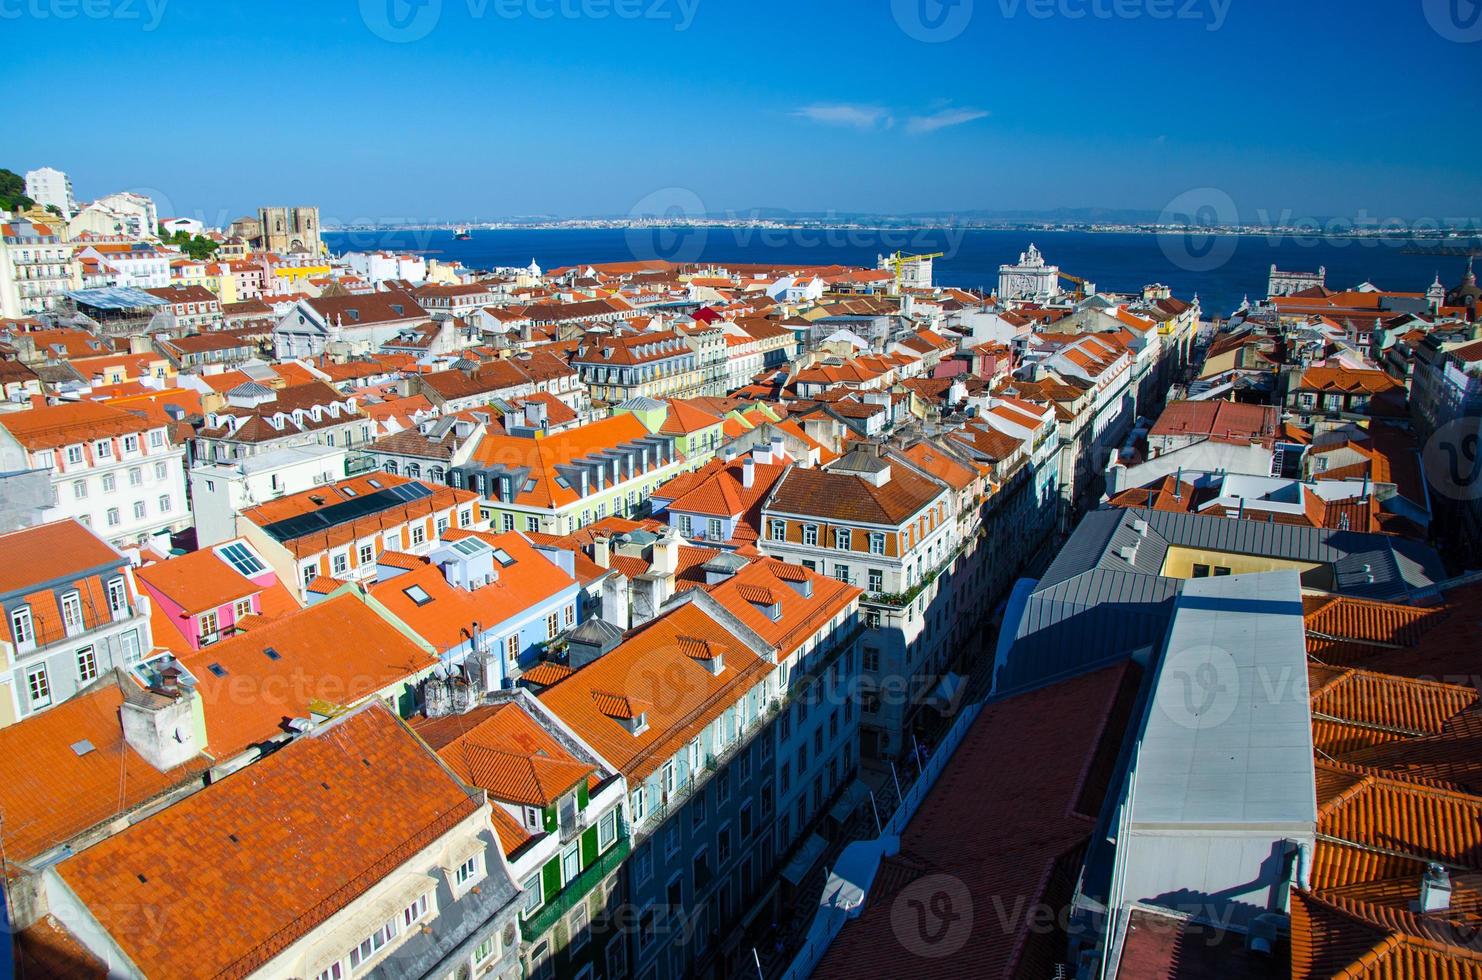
x: 1105, y: 597
x: 114, y: 298
x: 1228, y: 738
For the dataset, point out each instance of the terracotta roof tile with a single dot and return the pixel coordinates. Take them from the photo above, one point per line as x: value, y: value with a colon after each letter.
x: 241, y: 870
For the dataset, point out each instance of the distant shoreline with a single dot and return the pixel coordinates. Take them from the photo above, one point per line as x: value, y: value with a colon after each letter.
x: 1457, y: 239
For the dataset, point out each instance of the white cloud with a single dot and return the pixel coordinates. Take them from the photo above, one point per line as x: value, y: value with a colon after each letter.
x: 852, y: 116
x: 943, y: 118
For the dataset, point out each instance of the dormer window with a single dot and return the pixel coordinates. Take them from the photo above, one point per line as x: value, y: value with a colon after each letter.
x: 22, y: 629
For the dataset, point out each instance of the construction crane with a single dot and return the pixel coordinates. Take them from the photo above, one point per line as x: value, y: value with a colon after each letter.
x: 899, y: 260
x: 1080, y: 292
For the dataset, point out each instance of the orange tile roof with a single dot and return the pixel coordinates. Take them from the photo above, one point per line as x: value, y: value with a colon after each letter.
x: 649, y: 673
x: 50, y: 794
x: 802, y: 616
x: 543, y: 454
x: 338, y: 651
x: 501, y: 749
x: 243, y: 869
x: 198, y: 581
x: 69, y: 423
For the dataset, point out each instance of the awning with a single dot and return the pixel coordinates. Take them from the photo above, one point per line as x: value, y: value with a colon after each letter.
x: 947, y: 695
x: 843, y: 808
x: 802, y: 862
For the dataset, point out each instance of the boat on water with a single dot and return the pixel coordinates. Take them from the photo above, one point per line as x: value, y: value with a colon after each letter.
x: 461, y: 235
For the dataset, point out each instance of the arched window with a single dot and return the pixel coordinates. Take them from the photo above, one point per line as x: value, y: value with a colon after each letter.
x: 414, y: 471
x: 390, y: 467
x: 435, y: 474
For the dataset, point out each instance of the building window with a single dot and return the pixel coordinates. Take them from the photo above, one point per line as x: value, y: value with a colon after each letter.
x: 367, y: 553
x: 810, y: 535
x: 136, y: 476
x: 109, y: 483
x: 841, y: 572
x: 340, y: 563
x: 415, y: 911
x: 552, y: 626
x: 638, y: 804
x: 87, y: 665
x: 686, y: 526
x: 607, y: 829
x: 138, y: 510
x: 20, y: 625
x: 779, y: 530
x: 842, y: 539
x: 373, y: 944
x: 160, y: 471
x: 74, y: 454
x: 512, y: 648
x: 570, y: 615
x: 208, y: 626
x: 465, y: 517
x: 72, y: 611
x: 38, y: 686
x: 111, y: 517
x: 242, y: 609
x: 877, y: 580
x: 133, y: 654
x: 164, y: 503
x: 507, y: 522
x: 419, y: 534
x: 580, y: 920
x: 532, y: 524
x: 79, y: 489
x: 533, y: 897
x: 571, y: 863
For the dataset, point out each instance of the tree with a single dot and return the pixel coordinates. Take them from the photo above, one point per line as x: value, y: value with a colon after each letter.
x: 197, y: 247
x: 13, y: 191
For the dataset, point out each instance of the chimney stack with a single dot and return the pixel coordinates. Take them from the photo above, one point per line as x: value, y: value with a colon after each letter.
x: 1435, y: 890
x: 748, y: 472
x: 602, y: 551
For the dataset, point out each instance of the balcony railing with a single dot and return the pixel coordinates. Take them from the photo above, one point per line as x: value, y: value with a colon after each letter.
x: 903, y: 599
x: 576, y: 889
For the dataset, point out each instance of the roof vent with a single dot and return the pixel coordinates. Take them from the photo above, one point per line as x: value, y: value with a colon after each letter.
x: 1129, y: 553
x: 1435, y: 889
x: 83, y: 747
x: 1140, y: 526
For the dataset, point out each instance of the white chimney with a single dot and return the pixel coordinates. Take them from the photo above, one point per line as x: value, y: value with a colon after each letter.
x: 602, y: 551
x: 1435, y: 889
x: 748, y: 473
x: 615, y: 601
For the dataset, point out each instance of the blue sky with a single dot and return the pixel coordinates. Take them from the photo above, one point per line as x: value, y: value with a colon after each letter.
x: 575, y: 107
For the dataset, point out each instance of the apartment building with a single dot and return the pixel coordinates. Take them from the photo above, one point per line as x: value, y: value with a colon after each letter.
x: 566, y: 480
x: 338, y: 531
x: 201, y: 598
x: 680, y: 709
x: 619, y: 366
x: 430, y: 893
x: 889, y: 530
x: 258, y: 419
x: 36, y: 267
x: 488, y: 604
x: 72, y: 612
x: 558, y: 810
x: 114, y: 471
